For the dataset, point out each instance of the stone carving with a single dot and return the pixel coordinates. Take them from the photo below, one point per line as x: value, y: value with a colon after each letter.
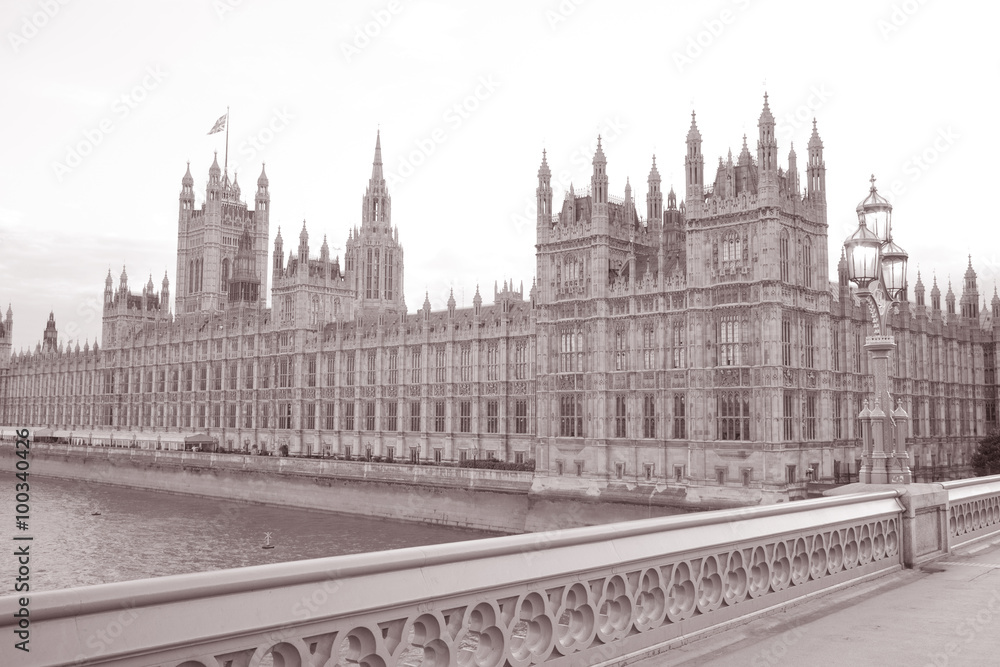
x: 561, y: 620
x: 968, y: 517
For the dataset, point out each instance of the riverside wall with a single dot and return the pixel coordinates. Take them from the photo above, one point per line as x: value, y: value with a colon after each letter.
x: 492, y: 500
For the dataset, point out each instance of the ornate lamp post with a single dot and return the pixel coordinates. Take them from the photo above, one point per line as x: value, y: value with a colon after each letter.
x: 878, y: 267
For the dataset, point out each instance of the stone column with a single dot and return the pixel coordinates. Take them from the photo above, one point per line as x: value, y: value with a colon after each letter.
x: 875, y: 470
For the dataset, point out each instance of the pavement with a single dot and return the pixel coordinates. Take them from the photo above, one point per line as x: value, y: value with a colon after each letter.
x: 945, y: 613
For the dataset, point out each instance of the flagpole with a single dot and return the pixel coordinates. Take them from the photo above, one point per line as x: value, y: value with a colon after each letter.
x: 226, y: 167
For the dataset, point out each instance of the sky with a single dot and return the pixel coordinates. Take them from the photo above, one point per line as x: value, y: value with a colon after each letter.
x: 107, y: 100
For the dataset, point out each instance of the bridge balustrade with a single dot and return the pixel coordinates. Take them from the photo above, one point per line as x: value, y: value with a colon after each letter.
x: 592, y: 595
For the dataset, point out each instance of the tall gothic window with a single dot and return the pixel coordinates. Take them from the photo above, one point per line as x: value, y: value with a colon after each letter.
x: 677, y: 346
x: 570, y: 352
x: 649, y: 416
x: 783, y: 256
x: 388, y: 275
x: 368, y: 276
x: 492, y: 362
x: 648, y: 347
x: 787, y: 411
x: 415, y: 366
x: 619, y: 416
x: 680, y: 431
x: 786, y: 343
x: 571, y: 415
x: 439, y: 370
x: 621, y: 350
x: 466, y: 359
x: 393, y: 370
x: 807, y: 267
x: 810, y: 345
x: 520, y: 360
x: 734, y: 416
x: 729, y: 341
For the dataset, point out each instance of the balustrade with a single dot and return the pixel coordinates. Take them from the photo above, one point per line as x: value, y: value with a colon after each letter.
x: 570, y: 597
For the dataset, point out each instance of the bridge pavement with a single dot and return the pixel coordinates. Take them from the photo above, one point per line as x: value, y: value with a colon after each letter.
x: 946, y: 613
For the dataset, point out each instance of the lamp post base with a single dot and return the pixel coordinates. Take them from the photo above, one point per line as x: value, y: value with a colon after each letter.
x: 882, y: 468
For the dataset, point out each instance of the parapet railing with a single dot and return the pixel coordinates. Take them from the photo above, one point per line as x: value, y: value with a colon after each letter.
x: 592, y: 595
x: 973, y: 508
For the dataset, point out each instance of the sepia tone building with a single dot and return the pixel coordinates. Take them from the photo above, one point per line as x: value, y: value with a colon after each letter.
x: 699, y: 344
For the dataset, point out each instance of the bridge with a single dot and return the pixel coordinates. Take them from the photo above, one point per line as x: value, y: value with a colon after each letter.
x: 637, y: 592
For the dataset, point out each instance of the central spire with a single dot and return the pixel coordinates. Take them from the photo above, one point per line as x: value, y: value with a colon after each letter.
x: 377, y: 163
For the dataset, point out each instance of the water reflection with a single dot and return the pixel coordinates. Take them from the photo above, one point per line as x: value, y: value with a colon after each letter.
x: 86, y: 533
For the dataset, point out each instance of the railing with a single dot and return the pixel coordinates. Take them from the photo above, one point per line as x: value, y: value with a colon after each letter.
x: 584, y: 596
x: 973, y: 508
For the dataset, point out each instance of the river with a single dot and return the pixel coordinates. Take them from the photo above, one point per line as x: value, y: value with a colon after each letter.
x: 87, y: 533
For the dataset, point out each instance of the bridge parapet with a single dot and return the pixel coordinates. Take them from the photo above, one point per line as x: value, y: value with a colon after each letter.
x: 973, y: 508
x: 592, y: 595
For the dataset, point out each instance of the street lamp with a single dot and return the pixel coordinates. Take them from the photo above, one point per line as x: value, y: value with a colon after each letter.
x: 877, y: 265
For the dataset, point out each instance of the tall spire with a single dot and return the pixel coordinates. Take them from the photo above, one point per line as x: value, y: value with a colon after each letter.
x: 377, y: 162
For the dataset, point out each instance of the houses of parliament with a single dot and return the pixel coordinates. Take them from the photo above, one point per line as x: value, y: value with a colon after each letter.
x: 700, y: 345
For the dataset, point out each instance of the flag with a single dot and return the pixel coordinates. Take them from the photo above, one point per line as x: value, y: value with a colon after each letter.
x: 220, y: 124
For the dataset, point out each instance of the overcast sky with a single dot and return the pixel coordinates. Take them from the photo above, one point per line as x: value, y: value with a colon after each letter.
x: 106, y: 100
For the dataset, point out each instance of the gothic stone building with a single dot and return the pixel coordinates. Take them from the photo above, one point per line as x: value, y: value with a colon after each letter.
x: 700, y: 345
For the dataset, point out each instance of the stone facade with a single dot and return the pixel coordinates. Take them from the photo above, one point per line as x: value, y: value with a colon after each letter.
x: 698, y: 345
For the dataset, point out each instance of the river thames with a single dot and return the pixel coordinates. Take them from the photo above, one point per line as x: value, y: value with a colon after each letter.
x: 87, y: 533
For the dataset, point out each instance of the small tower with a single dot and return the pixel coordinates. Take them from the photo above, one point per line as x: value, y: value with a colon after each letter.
x: 994, y: 306
x: 108, y: 291
x: 303, y: 266
x: 654, y: 197
x: 165, y: 294
x: 543, y: 194
x: 793, y: 172
x: 918, y: 289
x: 842, y: 273
x: 935, y: 296
x: 949, y: 299
x: 279, y: 257
x: 816, y: 168
x: 694, y: 165
x: 50, y: 338
x: 599, y: 178
x: 970, y: 293
x: 767, y: 147
x: 186, y: 199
